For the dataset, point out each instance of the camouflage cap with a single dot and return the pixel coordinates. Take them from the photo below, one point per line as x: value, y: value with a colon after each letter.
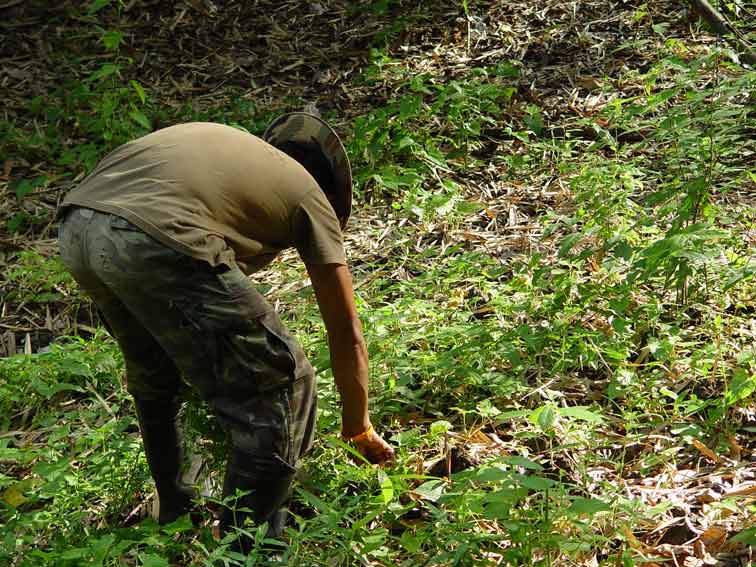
x: 307, y: 128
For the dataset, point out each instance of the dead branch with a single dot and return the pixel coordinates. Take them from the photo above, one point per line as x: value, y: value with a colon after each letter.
x: 720, y: 25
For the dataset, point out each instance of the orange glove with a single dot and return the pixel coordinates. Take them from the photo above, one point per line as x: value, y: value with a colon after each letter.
x: 372, y: 446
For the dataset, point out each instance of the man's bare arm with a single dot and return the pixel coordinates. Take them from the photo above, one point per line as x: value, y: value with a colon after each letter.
x: 333, y: 289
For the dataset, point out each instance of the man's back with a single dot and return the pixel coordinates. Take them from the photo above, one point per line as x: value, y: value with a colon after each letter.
x: 215, y: 193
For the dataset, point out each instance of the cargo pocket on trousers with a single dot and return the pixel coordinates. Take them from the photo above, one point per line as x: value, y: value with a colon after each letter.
x: 301, y: 366
x: 252, y: 359
x: 120, y: 223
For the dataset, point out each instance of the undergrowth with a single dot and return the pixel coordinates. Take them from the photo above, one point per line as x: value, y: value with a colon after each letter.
x: 630, y: 317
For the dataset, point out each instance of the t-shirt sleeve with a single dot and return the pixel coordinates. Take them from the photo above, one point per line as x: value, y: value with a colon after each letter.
x: 316, y: 231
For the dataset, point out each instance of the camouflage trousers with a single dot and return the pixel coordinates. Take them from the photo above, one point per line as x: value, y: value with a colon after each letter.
x: 177, y: 318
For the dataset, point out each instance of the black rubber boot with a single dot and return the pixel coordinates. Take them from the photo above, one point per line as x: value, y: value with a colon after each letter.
x: 162, y: 446
x: 267, y: 491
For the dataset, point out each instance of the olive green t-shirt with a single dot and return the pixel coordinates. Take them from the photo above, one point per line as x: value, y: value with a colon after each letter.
x: 217, y: 194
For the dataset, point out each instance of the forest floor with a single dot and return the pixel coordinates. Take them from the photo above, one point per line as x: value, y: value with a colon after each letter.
x: 553, y: 258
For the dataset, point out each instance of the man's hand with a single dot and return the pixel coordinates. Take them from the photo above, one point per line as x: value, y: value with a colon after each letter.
x: 372, y: 446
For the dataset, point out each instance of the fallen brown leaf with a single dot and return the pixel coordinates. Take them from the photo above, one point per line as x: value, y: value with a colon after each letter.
x: 749, y: 490
x: 705, y: 451
x: 713, y: 539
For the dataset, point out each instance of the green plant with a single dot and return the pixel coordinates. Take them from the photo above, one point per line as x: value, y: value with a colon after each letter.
x: 34, y: 278
x: 557, y: 305
x: 703, y: 143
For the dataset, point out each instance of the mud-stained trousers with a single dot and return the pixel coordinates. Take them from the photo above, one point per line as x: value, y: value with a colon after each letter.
x: 174, y: 316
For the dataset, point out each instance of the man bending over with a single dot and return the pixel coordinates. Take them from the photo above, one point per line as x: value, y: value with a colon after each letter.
x: 162, y: 235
